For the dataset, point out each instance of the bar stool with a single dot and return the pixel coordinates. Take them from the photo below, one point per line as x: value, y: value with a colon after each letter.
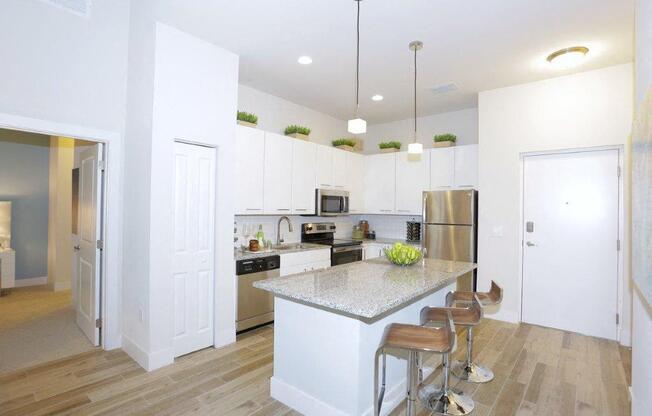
x: 468, y: 370
x: 415, y: 340
x: 445, y: 400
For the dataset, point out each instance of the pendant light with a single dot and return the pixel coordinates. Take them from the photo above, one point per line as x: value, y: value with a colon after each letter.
x: 357, y: 125
x: 415, y: 148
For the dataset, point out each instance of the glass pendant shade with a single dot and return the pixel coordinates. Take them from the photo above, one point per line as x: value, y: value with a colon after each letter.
x: 357, y: 126
x: 415, y: 148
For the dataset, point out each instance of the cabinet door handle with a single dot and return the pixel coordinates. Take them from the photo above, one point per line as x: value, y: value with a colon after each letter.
x: 385, y: 210
x: 404, y: 210
x: 301, y: 209
x: 253, y: 209
x: 282, y: 209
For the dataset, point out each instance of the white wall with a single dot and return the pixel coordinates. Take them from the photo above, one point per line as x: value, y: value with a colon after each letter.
x: 67, y: 76
x: 583, y: 110
x: 642, y: 230
x: 275, y: 114
x: 463, y: 123
x: 195, y: 97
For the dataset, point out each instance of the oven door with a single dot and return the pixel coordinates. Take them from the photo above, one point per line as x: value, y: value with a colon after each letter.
x: 332, y: 203
x: 344, y: 255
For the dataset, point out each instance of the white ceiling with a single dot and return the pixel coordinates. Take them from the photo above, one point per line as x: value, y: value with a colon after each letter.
x: 476, y: 44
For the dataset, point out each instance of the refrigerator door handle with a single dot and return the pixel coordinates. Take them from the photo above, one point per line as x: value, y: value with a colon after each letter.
x: 424, y: 203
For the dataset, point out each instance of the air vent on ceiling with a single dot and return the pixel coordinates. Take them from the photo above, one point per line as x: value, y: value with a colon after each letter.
x: 444, y: 88
x: 78, y: 7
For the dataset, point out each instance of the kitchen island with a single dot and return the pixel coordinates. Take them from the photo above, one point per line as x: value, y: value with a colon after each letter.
x: 328, y: 324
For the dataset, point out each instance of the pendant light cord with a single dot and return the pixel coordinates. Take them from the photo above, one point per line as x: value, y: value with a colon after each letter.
x: 415, y: 95
x: 357, y: 62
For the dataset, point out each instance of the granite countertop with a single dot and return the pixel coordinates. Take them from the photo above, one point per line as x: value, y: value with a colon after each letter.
x: 366, y: 289
x: 247, y: 255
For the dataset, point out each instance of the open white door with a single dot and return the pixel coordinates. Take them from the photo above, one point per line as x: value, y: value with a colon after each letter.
x: 194, y: 242
x: 89, y: 253
x: 570, y: 241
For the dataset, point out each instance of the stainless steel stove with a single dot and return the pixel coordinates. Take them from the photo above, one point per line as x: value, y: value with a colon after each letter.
x: 342, y: 250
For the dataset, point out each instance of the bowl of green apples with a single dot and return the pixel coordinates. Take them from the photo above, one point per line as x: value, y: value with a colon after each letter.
x: 403, y: 254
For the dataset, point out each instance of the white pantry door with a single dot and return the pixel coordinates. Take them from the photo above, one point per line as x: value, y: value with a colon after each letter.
x: 570, y: 241
x: 89, y: 253
x: 194, y: 242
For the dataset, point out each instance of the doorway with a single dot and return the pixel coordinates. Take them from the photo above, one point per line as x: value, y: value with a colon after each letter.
x: 571, y: 241
x: 53, y: 187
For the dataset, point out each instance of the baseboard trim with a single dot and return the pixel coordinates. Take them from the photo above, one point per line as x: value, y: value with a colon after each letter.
x: 149, y: 361
x: 60, y: 286
x: 309, y: 405
x: 31, y: 281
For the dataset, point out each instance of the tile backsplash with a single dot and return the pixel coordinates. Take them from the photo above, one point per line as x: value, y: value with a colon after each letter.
x: 386, y: 226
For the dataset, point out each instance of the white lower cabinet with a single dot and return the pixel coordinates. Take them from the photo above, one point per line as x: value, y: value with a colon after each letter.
x: 7, y: 268
x: 305, y: 261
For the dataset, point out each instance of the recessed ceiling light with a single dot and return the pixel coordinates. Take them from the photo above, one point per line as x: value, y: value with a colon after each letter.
x: 568, y: 57
x: 377, y: 97
x: 304, y: 60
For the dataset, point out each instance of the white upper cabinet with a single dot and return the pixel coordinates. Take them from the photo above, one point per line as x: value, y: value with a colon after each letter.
x: 355, y: 181
x: 442, y: 164
x: 250, y: 157
x: 324, y: 164
x: 411, y: 180
x: 277, y: 197
x: 466, y: 166
x: 339, y: 169
x: 380, y: 183
x: 303, y: 177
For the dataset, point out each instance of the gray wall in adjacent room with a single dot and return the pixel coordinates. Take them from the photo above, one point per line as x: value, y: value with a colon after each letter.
x: 24, y: 178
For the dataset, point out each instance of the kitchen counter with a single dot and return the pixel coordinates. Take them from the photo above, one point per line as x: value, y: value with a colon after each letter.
x: 366, y: 289
x: 328, y: 323
x: 247, y: 255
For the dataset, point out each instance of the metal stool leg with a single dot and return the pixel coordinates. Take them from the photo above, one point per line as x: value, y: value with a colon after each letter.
x: 412, y: 383
x: 468, y: 370
x: 378, y: 398
x: 447, y: 401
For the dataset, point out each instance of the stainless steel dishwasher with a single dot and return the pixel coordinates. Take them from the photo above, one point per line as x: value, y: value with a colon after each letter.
x: 255, y: 306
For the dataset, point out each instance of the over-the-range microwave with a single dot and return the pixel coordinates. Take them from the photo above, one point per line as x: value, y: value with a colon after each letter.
x: 331, y: 203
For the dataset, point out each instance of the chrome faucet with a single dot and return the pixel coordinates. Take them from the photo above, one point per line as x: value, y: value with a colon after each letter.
x: 279, y: 240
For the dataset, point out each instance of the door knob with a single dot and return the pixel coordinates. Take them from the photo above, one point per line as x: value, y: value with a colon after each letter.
x: 76, y: 248
x: 530, y: 244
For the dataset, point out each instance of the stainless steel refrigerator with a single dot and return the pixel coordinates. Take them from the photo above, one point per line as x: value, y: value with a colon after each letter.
x: 449, y: 229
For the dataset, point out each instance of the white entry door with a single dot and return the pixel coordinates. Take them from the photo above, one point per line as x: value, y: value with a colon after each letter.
x: 194, y: 237
x: 570, y: 241
x: 89, y: 253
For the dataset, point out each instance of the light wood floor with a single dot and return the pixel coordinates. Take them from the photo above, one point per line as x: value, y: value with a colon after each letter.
x: 538, y: 372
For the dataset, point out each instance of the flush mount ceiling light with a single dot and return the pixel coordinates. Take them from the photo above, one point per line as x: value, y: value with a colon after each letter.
x: 357, y: 125
x: 415, y: 148
x: 377, y: 97
x: 304, y: 60
x: 568, y: 57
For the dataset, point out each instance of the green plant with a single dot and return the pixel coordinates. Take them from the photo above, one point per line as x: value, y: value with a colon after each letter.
x: 390, y: 145
x: 297, y: 129
x: 248, y: 117
x: 343, y: 142
x: 445, y: 138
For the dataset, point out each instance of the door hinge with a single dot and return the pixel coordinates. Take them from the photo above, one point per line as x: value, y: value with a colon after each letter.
x: 101, y: 165
x: 618, y: 245
x: 100, y: 245
x: 617, y: 319
x: 98, y: 323
x: 618, y: 171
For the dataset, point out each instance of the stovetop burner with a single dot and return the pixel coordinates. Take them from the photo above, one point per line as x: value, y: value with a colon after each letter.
x: 324, y: 233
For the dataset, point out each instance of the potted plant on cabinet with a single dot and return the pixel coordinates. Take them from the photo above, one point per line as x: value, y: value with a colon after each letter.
x: 247, y: 119
x: 344, y: 144
x: 298, y: 132
x: 389, y: 147
x: 444, y: 140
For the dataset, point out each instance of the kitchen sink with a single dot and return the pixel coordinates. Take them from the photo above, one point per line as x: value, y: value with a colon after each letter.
x: 290, y: 246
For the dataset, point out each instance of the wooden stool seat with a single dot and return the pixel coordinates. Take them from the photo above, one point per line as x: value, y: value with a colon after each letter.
x: 493, y: 297
x: 419, y: 338
x: 467, y: 316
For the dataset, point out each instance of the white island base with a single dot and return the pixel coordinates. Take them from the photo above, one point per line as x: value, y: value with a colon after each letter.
x: 324, y: 361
